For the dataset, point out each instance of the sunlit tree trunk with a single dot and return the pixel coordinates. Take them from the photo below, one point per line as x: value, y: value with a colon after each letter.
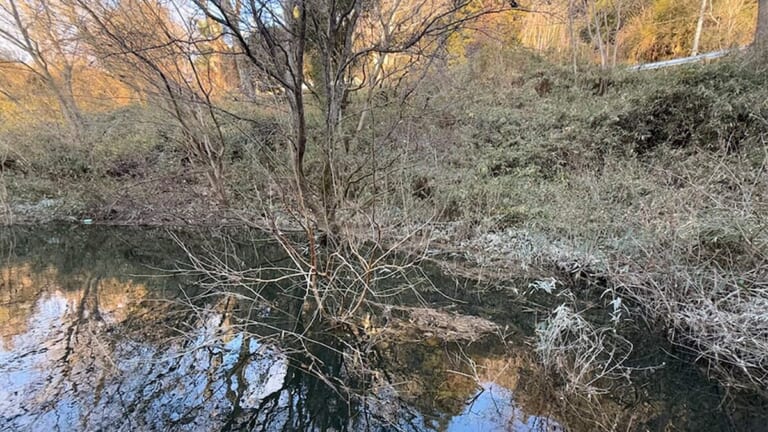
x: 65, y: 95
x: 699, y: 28
x: 761, y: 35
x: 572, y: 37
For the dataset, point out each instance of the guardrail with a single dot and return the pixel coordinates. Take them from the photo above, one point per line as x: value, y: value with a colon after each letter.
x: 685, y: 60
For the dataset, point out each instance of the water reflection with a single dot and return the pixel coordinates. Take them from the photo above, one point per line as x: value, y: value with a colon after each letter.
x: 86, y: 346
x: 490, y: 410
x: 93, y: 337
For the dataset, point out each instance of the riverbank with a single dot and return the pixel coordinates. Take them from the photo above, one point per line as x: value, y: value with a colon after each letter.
x: 634, y: 196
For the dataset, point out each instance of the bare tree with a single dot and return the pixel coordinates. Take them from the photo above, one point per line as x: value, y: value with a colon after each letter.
x: 699, y: 28
x: 318, y: 54
x: 344, y: 37
x: 312, y: 56
x: 43, y: 34
x: 603, y: 23
x: 141, y: 42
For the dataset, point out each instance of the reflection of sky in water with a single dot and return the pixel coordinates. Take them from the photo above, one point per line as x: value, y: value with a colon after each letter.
x: 22, y: 360
x: 122, y: 384
x: 117, y: 384
x: 493, y: 410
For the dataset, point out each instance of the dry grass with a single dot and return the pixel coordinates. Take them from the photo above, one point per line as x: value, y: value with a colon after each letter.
x: 589, y: 359
x: 662, y: 183
x: 720, y: 316
x: 705, y: 275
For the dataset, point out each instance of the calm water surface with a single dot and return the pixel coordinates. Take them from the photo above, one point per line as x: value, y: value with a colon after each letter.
x: 97, y: 335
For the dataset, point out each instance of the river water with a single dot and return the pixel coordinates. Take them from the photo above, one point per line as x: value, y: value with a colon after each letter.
x: 107, y: 329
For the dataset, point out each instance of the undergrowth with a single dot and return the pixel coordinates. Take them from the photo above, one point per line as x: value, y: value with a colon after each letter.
x: 661, y: 174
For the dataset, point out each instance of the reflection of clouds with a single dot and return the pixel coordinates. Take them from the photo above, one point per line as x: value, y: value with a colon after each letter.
x: 27, y: 363
x: 21, y: 288
x: 269, y: 375
x: 49, y: 311
x: 22, y: 359
x: 195, y: 387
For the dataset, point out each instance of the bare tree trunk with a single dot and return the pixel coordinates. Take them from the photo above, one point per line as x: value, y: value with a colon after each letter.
x: 572, y: 37
x: 245, y: 78
x: 298, y: 148
x: 595, y: 34
x: 761, y: 35
x: 281, y: 33
x: 294, y: 86
x: 618, y: 9
x: 68, y: 104
x: 699, y: 28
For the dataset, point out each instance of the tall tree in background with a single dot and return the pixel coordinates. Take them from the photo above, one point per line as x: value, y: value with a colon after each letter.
x: 603, y: 22
x: 761, y: 34
x: 699, y: 28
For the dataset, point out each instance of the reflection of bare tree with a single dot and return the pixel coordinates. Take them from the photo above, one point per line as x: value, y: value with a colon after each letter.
x: 86, y: 313
x: 85, y: 347
x: 94, y: 354
x: 226, y: 372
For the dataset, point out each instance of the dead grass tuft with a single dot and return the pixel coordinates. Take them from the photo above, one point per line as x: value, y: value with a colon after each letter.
x: 589, y: 359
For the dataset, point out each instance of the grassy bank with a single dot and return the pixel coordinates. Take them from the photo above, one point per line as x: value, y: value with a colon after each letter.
x: 130, y: 167
x: 650, y: 187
